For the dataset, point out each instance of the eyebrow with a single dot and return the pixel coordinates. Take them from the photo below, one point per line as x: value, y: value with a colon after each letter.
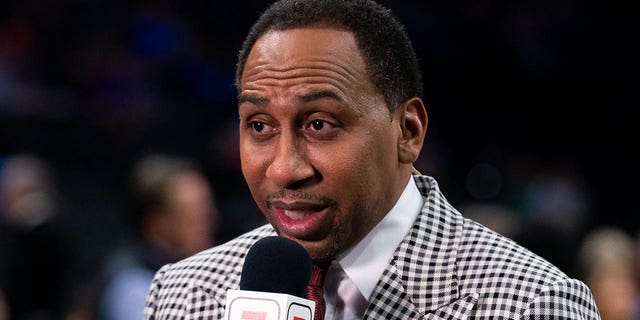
x: 319, y: 94
x: 257, y: 100
x: 307, y: 97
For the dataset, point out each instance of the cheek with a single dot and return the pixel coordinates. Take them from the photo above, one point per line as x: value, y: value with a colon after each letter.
x: 252, y: 162
x: 338, y: 165
x: 361, y: 163
x: 345, y: 172
x: 359, y: 173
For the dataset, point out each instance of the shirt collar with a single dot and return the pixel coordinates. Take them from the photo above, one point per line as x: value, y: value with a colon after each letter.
x: 366, y: 261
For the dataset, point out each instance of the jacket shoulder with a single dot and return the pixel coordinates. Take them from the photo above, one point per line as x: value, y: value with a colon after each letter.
x: 208, y: 274
x: 468, y: 259
x: 515, y: 282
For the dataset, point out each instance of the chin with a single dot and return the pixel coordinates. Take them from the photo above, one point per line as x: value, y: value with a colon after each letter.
x: 326, y: 249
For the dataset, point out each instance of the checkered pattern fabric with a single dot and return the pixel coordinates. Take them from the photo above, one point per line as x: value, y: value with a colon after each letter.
x: 447, y: 267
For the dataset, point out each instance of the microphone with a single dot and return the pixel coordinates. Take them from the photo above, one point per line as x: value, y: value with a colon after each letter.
x: 274, y: 278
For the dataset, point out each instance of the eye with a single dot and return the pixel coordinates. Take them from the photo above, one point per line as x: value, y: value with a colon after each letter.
x: 260, y: 127
x: 318, y: 125
x: 321, y: 129
x: 257, y: 126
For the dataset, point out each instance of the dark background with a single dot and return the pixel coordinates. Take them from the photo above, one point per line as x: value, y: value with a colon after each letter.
x: 519, y: 91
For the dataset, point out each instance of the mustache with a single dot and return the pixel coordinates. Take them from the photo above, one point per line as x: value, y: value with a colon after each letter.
x: 295, y: 195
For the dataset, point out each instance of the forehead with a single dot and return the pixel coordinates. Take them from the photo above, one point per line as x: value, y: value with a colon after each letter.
x: 307, y: 41
x: 303, y: 52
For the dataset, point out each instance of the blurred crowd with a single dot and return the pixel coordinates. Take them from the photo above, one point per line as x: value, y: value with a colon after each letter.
x: 118, y: 143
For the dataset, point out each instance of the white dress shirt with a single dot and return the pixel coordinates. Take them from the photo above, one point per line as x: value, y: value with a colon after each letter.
x: 352, y: 277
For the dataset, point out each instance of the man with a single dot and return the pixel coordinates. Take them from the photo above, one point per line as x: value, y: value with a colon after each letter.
x: 34, y: 255
x: 331, y: 121
x: 173, y: 215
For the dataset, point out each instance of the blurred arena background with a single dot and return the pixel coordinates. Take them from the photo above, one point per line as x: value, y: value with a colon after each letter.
x: 532, y: 120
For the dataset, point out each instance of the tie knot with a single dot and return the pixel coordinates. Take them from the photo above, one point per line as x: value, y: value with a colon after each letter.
x: 318, y: 272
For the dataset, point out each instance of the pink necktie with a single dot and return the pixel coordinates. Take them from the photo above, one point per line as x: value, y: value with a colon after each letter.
x: 315, y: 290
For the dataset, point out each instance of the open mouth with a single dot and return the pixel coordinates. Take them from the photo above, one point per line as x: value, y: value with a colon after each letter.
x: 299, y: 219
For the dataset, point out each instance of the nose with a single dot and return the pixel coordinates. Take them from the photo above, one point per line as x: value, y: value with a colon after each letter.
x: 290, y: 166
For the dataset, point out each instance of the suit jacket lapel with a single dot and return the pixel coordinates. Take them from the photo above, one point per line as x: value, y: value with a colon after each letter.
x: 390, y: 298
x: 421, y: 278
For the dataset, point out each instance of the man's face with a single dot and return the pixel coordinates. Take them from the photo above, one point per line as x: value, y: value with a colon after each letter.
x: 318, y: 146
x: 191, y: 215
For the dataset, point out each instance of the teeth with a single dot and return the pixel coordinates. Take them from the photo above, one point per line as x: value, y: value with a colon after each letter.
x: 295, y: 215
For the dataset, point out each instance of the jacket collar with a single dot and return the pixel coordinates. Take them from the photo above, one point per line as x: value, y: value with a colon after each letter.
x: 422, y: 274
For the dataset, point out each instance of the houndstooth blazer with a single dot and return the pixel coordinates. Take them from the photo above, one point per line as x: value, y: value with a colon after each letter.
x: 447, y: 267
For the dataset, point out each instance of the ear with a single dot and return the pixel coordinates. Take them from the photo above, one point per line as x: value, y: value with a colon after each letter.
x: 412, y: 117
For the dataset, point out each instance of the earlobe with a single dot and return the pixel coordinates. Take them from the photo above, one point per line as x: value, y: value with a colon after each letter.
x: 412, y: 116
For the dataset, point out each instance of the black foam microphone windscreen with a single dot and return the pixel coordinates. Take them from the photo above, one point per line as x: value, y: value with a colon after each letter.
x: 276, y: 264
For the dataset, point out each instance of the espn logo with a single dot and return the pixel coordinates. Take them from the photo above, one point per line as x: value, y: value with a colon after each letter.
x: 254, y: 315
x: 257, y: 315
x: 253, y: 305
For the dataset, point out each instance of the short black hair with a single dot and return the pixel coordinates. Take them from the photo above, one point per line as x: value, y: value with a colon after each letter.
x: 389, y: 55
